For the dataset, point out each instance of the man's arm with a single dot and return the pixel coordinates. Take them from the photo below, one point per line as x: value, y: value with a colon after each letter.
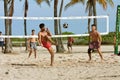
x: 99, y: 37
x: 48, y: 32
x: 39, y: 39
x: 90, y: 36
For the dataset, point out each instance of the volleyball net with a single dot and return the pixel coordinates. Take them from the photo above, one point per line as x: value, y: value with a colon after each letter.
x: 77, y: 26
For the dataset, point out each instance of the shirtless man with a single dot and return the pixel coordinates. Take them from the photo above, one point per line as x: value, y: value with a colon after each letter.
x: 44, y: 39
x: 95, y: 42
x: 32, y: 44
x: 69, y: 44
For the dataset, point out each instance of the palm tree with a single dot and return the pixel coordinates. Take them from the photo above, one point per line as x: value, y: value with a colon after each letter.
x: 40, y: 1
x: 60, y: 30
x: 8, y: 11
x: 73, y: 2
x: 57, y: 30
x: 25, y: 21
x: 56, y: 22
x: 103, y: 3
x: 91, y: 8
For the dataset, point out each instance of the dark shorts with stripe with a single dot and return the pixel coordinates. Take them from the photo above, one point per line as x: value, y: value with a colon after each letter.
x: 69, y: 44
x: 94, y: 45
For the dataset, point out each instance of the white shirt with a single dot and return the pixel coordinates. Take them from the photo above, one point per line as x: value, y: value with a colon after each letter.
x: 1, y: 38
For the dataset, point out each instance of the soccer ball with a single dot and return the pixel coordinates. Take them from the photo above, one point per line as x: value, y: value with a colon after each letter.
x: 65, y: 25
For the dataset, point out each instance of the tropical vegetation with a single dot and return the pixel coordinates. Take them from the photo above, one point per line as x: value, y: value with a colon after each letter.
x: 90, y: 8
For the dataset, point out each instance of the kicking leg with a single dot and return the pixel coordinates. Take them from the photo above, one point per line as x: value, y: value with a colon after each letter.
x: 52, y: 55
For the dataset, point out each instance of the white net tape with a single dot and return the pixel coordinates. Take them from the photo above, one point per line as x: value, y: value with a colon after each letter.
x: 54, y: 18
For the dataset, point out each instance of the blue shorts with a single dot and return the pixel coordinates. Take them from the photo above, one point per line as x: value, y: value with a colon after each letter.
x: 33, y: 45
x: 2, y: 43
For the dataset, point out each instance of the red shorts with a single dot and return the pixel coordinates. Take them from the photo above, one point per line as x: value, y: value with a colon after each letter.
x: 46, y: 44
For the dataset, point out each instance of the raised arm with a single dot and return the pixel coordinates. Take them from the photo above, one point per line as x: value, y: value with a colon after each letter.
x: 48, y: 32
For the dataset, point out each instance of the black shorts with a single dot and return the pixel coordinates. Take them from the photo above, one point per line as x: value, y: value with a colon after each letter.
x: 69, y: 44
x: 2, y: 43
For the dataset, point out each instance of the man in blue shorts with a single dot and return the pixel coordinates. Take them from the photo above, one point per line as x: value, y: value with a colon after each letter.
x: 32, y: 44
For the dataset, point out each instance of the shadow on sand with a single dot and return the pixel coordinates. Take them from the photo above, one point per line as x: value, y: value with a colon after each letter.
x: 14, y: 64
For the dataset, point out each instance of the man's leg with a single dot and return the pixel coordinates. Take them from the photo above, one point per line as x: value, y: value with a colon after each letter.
x: 68, y: 48
x: 71, y: 48
x: 2, y: 48
x: 35, y: 53
x: 100, y: 53
x: 30, y: 53
x: 89, y: 54
x: 52, y: 55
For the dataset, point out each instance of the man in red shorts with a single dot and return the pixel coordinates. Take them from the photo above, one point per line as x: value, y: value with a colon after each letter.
x: 69, y: 44
x: 95, y: 42
x: 44, y: 39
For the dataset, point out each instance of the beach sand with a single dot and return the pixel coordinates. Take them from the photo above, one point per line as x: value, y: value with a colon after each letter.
x: 68, y: 66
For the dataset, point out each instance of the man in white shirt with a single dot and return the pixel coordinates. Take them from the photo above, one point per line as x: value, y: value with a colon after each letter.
x: 1, y: 41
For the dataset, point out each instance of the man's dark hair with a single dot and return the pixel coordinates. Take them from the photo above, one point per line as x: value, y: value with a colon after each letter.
x: 93, y: 25
x: 41, y: 25
x: 0, y: 32
x: 33, y: 30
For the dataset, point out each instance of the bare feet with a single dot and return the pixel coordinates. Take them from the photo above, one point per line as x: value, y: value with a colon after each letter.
x: 102, y: 60
x: 89, y: 61
x: 51, y: 64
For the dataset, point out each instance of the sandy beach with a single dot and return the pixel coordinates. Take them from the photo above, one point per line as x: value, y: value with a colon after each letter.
x: 68, y: 66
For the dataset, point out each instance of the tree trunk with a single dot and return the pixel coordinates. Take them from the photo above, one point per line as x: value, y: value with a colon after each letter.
x: 56, y: 23
x: 25, y: 22
x: 11, y: 11
x: 8, y: 48
x: 94, y: 12
x: 25, y: 32
x: 60, y: 30
x: 89, y: 21
x: 58, y: 47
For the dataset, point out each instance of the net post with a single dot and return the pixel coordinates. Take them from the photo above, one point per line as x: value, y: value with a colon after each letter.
x: 117, y: 29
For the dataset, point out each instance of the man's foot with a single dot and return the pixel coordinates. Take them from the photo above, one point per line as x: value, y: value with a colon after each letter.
x: 102, y: 60
x: 89, y: 61
x: 68, y: 51
x: 51, y: 64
